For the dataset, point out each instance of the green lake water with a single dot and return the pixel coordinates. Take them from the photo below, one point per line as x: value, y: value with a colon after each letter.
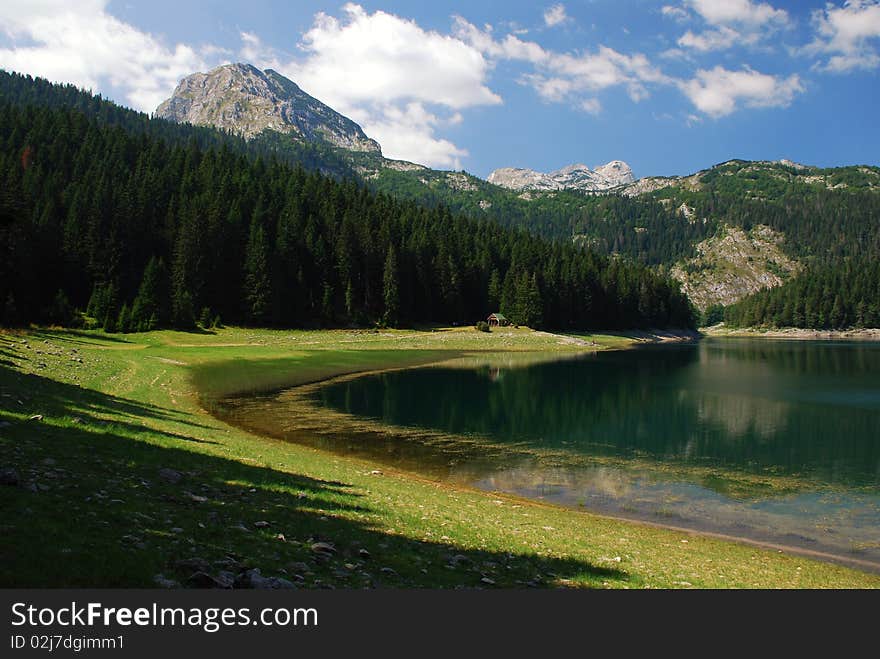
x: 775, y: 441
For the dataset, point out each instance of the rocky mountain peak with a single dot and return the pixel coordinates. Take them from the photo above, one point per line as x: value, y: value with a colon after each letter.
x: 571, y: 177
x: 242, y: 99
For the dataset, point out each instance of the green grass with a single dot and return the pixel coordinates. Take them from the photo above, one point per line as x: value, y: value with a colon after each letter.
x: 92, y: 509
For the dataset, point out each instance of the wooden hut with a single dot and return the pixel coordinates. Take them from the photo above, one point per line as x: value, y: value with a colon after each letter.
x: 497, y: 320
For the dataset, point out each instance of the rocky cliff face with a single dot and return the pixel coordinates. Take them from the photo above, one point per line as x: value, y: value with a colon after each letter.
x: 242, y: 99
x: 734, y: 264
x: 573, y: 177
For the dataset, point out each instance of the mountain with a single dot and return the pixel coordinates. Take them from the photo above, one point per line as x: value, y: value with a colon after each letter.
x: 573, y: 177
x: 724, y: 232
x: 244, y: 100
x: 141, y: 223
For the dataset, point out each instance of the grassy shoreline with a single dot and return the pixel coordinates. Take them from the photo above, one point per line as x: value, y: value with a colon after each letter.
x: 128, y: 481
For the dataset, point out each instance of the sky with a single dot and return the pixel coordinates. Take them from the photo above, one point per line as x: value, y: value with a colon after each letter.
x: 669, y: 86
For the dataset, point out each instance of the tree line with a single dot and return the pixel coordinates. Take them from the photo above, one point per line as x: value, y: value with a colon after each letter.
x: 834, y: 297
x: 141, y: 224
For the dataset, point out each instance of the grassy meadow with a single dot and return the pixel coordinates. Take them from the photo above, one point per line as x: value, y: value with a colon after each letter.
x: 113, y: 474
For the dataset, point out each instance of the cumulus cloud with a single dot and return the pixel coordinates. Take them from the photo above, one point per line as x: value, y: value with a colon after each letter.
x: 399, y: 81
x: 78, y: 41
x: 566, y: 77
x: 847, y: 35
x: 717, y: 92
x: 729, y: 23
x: 676, y: 13
x: 746, y: 12
x: 555, y: 15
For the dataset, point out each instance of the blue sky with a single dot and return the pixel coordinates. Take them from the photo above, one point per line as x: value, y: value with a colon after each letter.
x: 669, y: 86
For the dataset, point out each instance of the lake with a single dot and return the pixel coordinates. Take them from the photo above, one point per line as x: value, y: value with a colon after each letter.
x: 770, y: 440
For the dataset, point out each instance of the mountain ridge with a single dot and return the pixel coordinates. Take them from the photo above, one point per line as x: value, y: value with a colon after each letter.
x: 571, y: 177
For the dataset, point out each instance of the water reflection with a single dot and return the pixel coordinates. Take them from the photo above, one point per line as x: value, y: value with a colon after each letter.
x: 771, y: 440
x: 791, y: 408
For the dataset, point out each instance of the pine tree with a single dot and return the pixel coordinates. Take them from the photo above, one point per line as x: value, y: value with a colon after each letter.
x: 148, y: 308
x: 391, y: 289
x: 257, y: 293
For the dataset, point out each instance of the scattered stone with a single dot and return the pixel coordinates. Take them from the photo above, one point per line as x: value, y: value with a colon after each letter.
x: 204, y: 580
x: 281, y: 537
x: 163, y: 582
x: 196, y: 497
x: 375, y: 472
x: 389, y: 571
x: 459, y: 559
x: 8, y: 476
x: 363, y: 553
x: 176, y: 529
x: 194, y: 564
x: 323, y: 548
x: 254, y: 579
x: 77, y: 421
x: 5, y: 424
x: 261, y: 524
x: 487, y: 581
x: 36, y: 417
x: 299, y: 566
x: 170, y: 475
x: 226, y: 578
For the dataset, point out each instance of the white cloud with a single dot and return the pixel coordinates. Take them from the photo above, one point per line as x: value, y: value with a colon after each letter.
x: 555, y: 15
x: 399, y: 81
x: 675, y: 13
x: 591, y: 106
x: 720, y: 39
x: 730, y: 23
x: 77, y: 41
x: 566, y: 77
x: 747, y: 12
x: 847, y: 35
x: 408, y: 130
x: 716, y: 92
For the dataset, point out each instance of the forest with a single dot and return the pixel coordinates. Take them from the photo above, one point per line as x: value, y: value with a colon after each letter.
x: 130, y: 223
x: 832, y: 297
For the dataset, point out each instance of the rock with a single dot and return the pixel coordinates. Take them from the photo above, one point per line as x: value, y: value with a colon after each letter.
x: 196, y: 497
x: 573, y: 177
x: 261, y: 524
x: 170, y: 475
x: 204, y: 580
x: 76, y: 420
x: 363, y: 553
x: 299, y: 566
x: 36, y: 417
x: 163, y: 582
x: 323, y: 548
x: 176, y: 529
x: 242, y: 99
x: 226, y: 578
x: 8, y: 476
x: 254, y: 579
x: 5, y: 424
x: 389, y: 571
x: 487, y: 581
x: 194, y: 564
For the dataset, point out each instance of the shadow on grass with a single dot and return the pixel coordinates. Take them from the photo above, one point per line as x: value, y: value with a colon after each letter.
x: 94, y: 507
